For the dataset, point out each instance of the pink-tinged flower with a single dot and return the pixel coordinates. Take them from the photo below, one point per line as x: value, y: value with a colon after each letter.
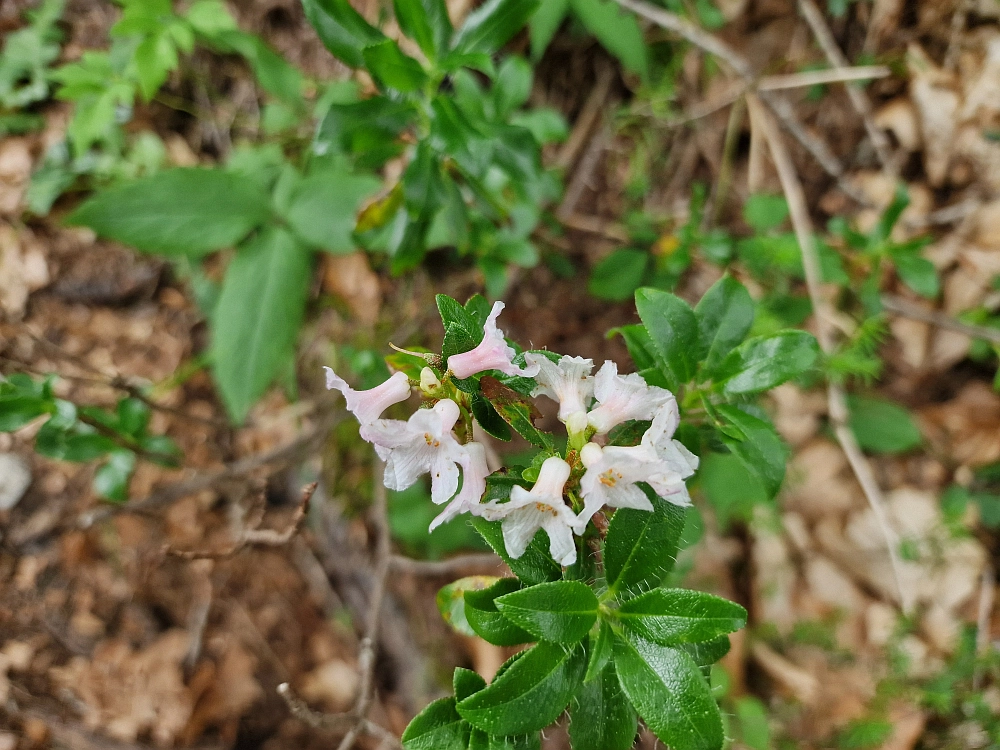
x: 474, y: 473
x: 672, y: 453
x: 569, y: 382
x: 624, y: 397
x: 541, y: 507
x: 424, y: 443
x: 493, y: 353
x: 368, y: 405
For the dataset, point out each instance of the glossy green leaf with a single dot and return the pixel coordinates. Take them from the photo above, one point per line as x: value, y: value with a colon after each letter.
x: 111, y: 480
x: 560, y: 611
x: 600, y: 716
x: 756, y: 444
x: 437, y: 727
x: 484, y: 617
x: 617, y: 30
x: 257, y: 317
x: 670, y: 693
x: 465, y: 682
x: 725, y: 314
x: 426, y: 22
x: 671, y: 616
x: 534, y: 566
x: 764, y: 362
x: 393, y: 69
x: 342, y: 29
x: 531, y: 694
x: 370, y: 131
x: 512, y: 86
x: 180, y: 211
x: 918, y: 273
x: 490, y: 26
x: 324, y: 206
x: 600, y: 651
x: 881, y: 426
x: 673, y: 329
x: 617, y: 276
x: 707, y: 653
x: 641, y: 547
x: 17, y: 411
x: 450, y: 601
x: 544, y: 24
x: 521, y: 415
x: 488, y: 418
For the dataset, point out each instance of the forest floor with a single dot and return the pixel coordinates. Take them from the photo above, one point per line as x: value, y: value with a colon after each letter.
x: 159, y: 623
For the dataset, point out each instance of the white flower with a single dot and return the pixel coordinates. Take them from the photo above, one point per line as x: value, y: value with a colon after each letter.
x: 622, y: 398
x: 569, y: 382
x: 493, y: 353
x: 368, y: 405
x: 673, y: 453
x: 474, y: 473
x: 424, y: 443
x: 541, y: 507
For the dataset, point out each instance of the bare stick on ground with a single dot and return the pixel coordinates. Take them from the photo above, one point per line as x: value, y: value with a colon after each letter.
x: 859, y: 99
x: 486, y: 561
x: 907, y: 309
x: 802, y: 224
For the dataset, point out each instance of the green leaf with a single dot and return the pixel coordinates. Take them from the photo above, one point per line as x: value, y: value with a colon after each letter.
x: 17, y: 411
x: 111, y: 479
x: 618, y: 32
x: 754, y: 731
x: 671, y: 695
x: 180, y: 211
x: 437, y: 727
x: 518, y: 742
x: 393, y: 69
x: 426, y: 22
x: 275, y: 74
x: 465, y: 682
x: 617, y: 276
x: 512, y: 85
x: 483, y: 615
x: 544, y: 24
x: 520, y: 415
x: 600, y: 651
x: 707, y: 653
x: 369, y: 130
x: 534, y: 566
x: 918, y: 273
x: 450, y: 601
x: 561, y: 611
x: 756, y: 444
x: 324, y: 207
x: 673, y: 329
x: 488, y: 418
x: 531, y: 694
x: 725, y: 314
x: 641, y: 547
x: 733, y: 490
x: 600, y: 716
x: 881, y: 426
x: 490, y: 26
x: 257, y: 317
x: 763, y: 362
x: 763, y: 212
x: 342, y: 29
x: 672, y: 616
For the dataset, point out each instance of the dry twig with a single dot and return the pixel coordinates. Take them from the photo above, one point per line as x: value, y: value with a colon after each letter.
x: 987, y: 593
x: 741, y: 66
x: 452, y: 566
x: 907, y: 309
x: 859, y: 99
x: 802, y: 224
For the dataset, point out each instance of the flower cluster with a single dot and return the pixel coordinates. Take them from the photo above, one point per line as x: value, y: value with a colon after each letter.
x: 569, y: 488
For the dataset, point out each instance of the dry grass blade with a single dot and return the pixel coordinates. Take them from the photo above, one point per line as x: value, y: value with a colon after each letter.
x: 802, y: 224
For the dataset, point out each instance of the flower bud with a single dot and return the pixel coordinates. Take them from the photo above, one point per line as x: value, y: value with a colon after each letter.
x: 430, y: 384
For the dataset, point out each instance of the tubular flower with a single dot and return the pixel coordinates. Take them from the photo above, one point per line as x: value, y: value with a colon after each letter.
x: 541, y: 507
x: 493, y: 353
x: 474, y: 473
x: 672, y: 453
x: 424, y: 443
x: 622, y: 398
x: 368, y: 405
x: 569, y: 382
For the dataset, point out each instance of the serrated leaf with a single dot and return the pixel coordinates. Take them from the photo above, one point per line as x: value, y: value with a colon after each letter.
x: 450, y: 601
x: 672, y: 616
x: 764, y: 362
x: 617, y: 276
x: 531, y: 694
x: 257, y: 317
x: 426, y: 22
x: 534, y: 566
x: 492, y: 24
x: 515, y: 410
x: 560, y: 611
x: 17, y: 411
x: 670, y: 693
x: 641, y: 547
x: 725, y: 314
x: 465, y: 682
x: 758, y: 446
x: 488, y: 418
x: 177, y: 212
x: 707, y: 653
x: 111, y: 480
x: 484, y: 617
x: 673, y: 330
x: 600, y: 716
x: 437, y: 727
